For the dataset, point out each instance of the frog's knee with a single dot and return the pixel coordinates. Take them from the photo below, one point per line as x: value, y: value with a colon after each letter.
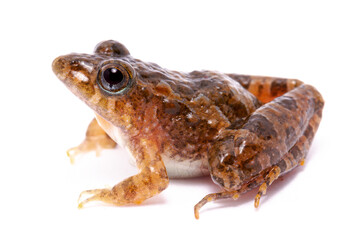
x: 226, y: 176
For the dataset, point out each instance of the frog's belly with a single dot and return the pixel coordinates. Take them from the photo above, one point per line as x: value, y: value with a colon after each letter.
x: 181, y: 168
x: 185, y: 168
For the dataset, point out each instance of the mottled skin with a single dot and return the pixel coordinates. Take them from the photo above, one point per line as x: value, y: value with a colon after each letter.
x: 245, y: 131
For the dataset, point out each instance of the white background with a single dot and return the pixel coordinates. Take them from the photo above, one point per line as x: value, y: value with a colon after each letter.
x: 315, y: 41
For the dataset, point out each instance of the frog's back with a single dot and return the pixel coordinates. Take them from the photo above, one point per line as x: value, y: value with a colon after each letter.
x: 197, y: 89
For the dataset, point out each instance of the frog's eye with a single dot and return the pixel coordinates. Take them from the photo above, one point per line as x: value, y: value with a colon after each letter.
x: 115, y: 78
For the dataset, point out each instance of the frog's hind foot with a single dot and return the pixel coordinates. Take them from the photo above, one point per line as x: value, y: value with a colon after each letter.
x: 273, y: 174
x: 269, y: 179
x: 96, y: 140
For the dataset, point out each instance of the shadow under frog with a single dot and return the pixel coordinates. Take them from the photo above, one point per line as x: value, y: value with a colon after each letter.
x: 244, y: 131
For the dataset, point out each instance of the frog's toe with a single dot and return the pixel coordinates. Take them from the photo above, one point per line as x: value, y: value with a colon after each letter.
x: 96, y: 195
x: 91, y: 145
x: 273, y: 174
x: 72, y: 153
x: 213, y: 197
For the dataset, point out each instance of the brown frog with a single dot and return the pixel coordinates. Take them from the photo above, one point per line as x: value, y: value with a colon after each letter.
x: 244, y: 131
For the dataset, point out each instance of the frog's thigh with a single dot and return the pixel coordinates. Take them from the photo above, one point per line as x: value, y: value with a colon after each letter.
x: 295, y: 157
x: 96, y: 139
x: 266, y: 89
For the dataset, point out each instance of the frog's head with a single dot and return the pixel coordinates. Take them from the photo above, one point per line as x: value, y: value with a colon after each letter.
x: 106, y: 81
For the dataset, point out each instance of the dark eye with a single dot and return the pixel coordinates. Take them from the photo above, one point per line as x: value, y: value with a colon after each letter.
x: 114, y: 78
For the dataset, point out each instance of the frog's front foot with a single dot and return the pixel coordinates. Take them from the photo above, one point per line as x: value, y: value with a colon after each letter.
x: 110, y: 196
x: 96, y: 140
x: 133, y: 190
x: 96, y: 144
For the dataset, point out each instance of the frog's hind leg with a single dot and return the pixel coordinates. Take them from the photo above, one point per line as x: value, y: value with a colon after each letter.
x: 96, y: 139
x: 295, y: 157
x: 266, y: 89
x: 267, y: 178
x: 303, y: 103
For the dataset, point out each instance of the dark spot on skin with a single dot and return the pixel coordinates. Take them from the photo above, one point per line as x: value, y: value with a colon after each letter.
x: 244, y: 80
x: 264, y: 174
x: 232, y: 183
x: 237, y: 124
x: 319, y: 106
x: 309, y: 133
x: 130, y: 189
x: 261, y: 126
x: 240, y: 109
x: 163, y: 173
x: 252, y: 184
x: 278, y: 87
x: 103, y: 102
x: 197, y: 74
x: 296, y: 152
x: 282, y: 165
x: 267, y: 181
x: 260, y: 89
x: 172, y: 107
x: 251, y: 165
x: 204, y: 83
x: 287, y: 102
x: 220, y: 167
x: 228, y: 160
x: 273, y: 154
x: 183, y: 88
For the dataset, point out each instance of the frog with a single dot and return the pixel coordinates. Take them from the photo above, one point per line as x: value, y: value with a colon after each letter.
x: 244, y: 131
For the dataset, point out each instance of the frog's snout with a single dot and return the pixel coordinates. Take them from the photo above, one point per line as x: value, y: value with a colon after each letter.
x: 58, y: 67
x: 73, y: 68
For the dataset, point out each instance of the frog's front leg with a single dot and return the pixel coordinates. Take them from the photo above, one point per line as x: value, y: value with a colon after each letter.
x: 274, y: 140
x: 96, y: 139
x: 150, y: 181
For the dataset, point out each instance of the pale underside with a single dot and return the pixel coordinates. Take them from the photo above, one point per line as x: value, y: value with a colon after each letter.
x: 176, y: 166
